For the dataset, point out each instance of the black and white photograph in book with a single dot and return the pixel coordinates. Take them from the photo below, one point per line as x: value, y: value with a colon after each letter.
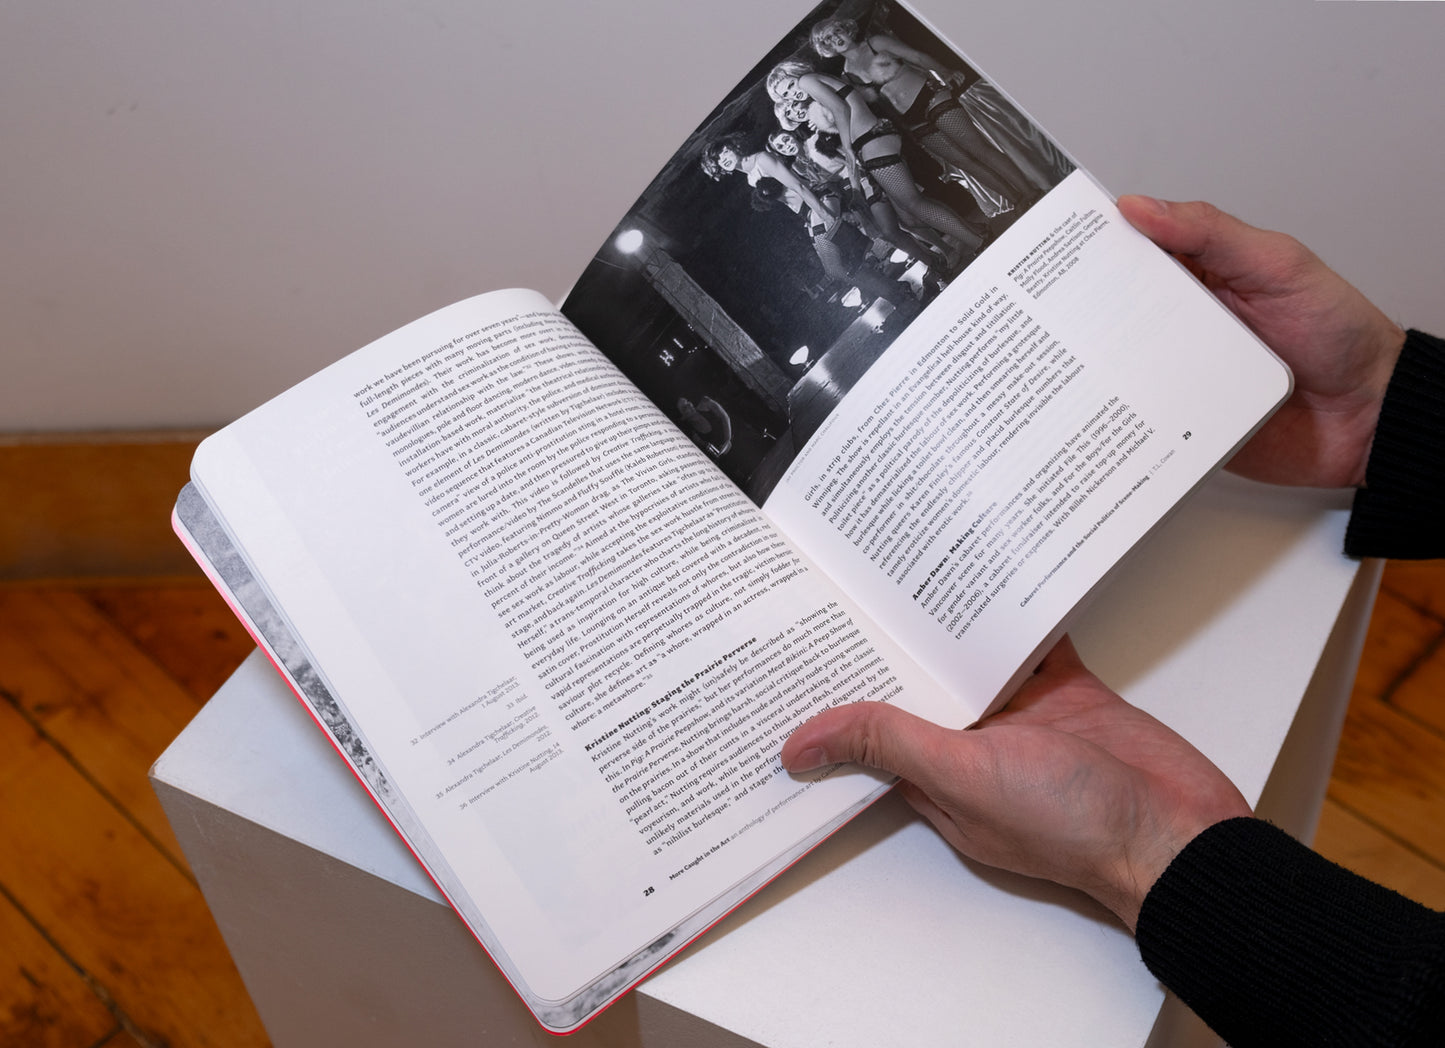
x: 835, y: 192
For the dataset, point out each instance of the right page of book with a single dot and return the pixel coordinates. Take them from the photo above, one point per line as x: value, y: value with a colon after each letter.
x: 905, y: 323
x: 997, y: 462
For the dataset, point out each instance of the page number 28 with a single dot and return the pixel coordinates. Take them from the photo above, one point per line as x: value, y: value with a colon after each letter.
x: 647, y: 891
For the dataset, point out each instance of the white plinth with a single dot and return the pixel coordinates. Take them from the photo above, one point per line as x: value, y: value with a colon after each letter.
x: 1239, y: 615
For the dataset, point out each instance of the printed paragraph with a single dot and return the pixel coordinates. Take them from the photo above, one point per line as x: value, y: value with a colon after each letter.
x: 1057, y: 253
x: 713, y: 738
x: 603, y: 547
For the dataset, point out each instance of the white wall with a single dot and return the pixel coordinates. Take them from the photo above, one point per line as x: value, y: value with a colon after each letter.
x: 205, y: 200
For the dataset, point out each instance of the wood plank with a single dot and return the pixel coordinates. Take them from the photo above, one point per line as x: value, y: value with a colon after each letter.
x: 121, y: 912
x: 1398, y: 638
x: 1421, y: 694
x: 1420, y: 582
x: 93, y: 505
x: 1390, y: 771
x: 184, y: 627
x: 1352, y: 842
x: 44, y: 1002
x: 122, y: 1039
x: 78, y: 679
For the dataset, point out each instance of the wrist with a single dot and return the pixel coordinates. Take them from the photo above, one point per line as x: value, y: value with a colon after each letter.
x: 1386, y: 342
x: 1396, y: 512
x: 1144, y: 859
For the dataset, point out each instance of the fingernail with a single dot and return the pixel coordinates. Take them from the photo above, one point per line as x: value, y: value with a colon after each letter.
x: 807, y: 760
x: 1156, y: 206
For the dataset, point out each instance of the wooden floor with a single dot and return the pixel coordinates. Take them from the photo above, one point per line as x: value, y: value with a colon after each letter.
x: 104, y: 936
x: 105, y: 939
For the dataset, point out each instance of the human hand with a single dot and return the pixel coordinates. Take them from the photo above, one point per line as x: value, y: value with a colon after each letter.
x: 1068, y: 782
x: 1341, y: 348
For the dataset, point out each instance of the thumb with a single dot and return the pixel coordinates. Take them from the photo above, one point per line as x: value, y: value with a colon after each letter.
x: 873, y: 734
x: 1212, y: 240
x: 1182, y: 229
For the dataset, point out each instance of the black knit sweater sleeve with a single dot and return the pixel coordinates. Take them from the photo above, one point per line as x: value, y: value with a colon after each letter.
x: 1271, y: 944
x: 1267, y: 941
x: 1400, y: 512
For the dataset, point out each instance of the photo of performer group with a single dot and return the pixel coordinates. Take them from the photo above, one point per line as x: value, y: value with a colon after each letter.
x: 817, y: 211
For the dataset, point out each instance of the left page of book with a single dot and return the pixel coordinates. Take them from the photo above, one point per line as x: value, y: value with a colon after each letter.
x: 569, y: 642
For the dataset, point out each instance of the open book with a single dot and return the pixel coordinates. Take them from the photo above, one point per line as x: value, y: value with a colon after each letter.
x: 862, y: 412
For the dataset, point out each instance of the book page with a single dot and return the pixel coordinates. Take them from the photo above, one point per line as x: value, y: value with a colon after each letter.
x: 1046, y: 413
x: 571, y: 644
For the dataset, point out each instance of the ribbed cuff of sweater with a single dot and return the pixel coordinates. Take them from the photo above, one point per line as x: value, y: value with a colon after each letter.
x: 1271, y: 944
x: 1400, y: 512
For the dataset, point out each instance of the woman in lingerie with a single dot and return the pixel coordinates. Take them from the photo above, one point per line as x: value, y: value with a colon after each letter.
x: 821, y: 153
x: 773, y: 180
x: 722, y: 156
x: 788, y: 144
x: 919, y: 93
x: 842, y: 249
x: 872, y: 144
